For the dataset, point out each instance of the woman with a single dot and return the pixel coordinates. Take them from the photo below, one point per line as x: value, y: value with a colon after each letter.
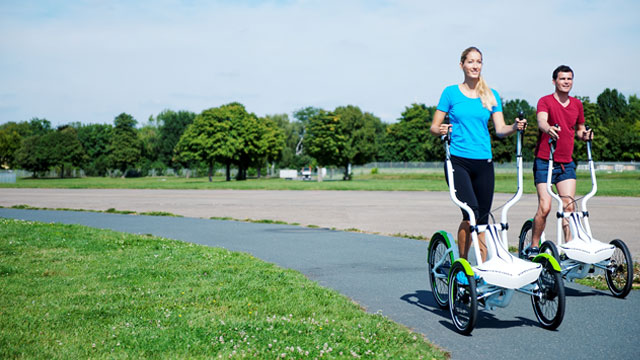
x: 470, y: 105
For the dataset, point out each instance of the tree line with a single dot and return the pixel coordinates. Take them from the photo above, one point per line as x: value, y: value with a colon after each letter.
x: 230, y: 137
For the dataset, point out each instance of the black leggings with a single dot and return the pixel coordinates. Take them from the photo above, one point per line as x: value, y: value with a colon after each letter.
x: 474, y: 181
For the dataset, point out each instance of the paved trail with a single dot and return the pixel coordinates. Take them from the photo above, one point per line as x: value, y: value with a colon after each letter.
x: 381, y: 212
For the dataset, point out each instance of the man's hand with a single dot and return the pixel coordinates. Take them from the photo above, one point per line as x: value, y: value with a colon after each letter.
x: 554, y: 132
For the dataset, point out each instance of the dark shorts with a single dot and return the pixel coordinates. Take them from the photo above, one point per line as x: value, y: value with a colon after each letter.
x: 561, y: 171
x: 474, y: 181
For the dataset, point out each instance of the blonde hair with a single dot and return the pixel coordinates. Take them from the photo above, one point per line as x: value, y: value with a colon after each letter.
x: 487, y: 97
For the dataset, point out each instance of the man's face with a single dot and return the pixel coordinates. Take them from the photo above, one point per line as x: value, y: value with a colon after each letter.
x: 564, y: 82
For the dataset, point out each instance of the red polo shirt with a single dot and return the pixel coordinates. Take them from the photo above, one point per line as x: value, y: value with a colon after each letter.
x: 568, y: 118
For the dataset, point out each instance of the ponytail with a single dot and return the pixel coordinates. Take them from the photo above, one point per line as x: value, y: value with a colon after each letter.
x: 486, y: 95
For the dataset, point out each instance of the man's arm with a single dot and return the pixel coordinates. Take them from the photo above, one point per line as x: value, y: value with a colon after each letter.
x: 543, y: 125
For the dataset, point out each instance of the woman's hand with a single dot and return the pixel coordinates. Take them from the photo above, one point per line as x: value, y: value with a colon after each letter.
x: 444, y: 129
x: 520, y: 124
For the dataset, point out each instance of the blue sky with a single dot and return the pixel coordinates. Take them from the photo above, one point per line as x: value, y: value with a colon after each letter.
x: 89, y: 61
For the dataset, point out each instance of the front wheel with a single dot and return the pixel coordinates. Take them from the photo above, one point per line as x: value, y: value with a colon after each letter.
x: 463, y: 301
x: 439, y: 260
x: 551, y: 249
x: 549, y: 301
x: 525, y: 238
x: 619, y: 273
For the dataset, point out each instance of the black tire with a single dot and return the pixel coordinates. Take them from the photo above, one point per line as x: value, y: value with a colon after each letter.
x: 439, y: 277
x: 463, y: 301
x: 551, y: 249
x: 525, y: 238
x: 549, y: 304
x: 619, y: 275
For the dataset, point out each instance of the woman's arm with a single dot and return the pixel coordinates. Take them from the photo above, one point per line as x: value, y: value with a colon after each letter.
x: 437, y: 126
x: 502, y: 129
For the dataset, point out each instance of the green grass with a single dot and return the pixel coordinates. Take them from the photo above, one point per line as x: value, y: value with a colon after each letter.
x: 75, y: 292
x: 614, y: 184
x: 600, y: 283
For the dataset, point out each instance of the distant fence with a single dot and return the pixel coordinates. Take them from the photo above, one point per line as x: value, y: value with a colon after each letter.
x: 10, y: 176
x: 422, y: 167
x: 7, y: 176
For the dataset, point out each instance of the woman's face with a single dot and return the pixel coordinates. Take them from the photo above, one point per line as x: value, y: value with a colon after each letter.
x: 472, y: 65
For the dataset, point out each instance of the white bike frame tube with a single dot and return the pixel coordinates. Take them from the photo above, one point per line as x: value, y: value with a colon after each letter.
x: 554, y: 195
x: 463, y: 206
x: 518, y: 194
x: 594, y: 188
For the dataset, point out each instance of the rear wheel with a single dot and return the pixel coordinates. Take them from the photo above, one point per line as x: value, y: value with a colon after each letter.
x: 439, y: 261
x: 619, y: 273
x: 525, y: 238
x: 549, y: 301
x: 463, y: 301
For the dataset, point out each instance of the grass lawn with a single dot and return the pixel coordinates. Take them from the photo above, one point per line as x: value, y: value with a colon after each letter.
x: 614, y: 184
x: 71, y: 292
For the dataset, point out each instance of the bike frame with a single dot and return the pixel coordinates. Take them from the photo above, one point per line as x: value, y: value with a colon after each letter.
x: 578, y: 220
x: 493, y: 233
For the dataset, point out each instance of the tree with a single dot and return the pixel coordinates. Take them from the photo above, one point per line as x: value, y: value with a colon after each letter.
x: 272, y: 143
x: 10, y: 139
x: 125, y: 145
x: 410, y: 138
x: 619, y: 119
x: 171, y: 126
x: 381, y: 133
x: 504, y: 150
x: 95, y: 139
x: 33, y: 155
x: 592, y: 119
x: 292, y: 154
x: 64, y: 148
x: 38, y: 127
x: 359, y: 132
x: 612, y: 106
x: 149, y: 135
x: 304, y: 115
x: 249, y: 134
x: 211, y: 138
x: 323, y: 139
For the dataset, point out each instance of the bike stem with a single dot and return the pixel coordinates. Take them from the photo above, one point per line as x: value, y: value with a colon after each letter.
x: 518, y: 194
x: 560, y: 213
x: 594, y: 189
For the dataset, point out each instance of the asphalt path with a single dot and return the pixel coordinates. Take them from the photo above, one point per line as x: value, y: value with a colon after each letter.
x: 382, y: 212
x: 388, y: 275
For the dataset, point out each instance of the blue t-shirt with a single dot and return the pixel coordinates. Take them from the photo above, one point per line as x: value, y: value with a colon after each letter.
x: 470, y: 133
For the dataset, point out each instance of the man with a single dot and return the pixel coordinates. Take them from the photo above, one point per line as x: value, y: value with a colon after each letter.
x: 567, y: 112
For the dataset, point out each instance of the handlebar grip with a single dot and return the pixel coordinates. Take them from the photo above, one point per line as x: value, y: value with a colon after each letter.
x: 447, y: 136
x: 551, y: 141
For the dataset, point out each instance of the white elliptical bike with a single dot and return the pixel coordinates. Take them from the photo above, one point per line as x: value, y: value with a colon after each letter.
x: 491, y: 283
x: 579, y: 257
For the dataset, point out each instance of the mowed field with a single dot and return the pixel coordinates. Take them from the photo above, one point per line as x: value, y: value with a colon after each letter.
x: 609, y: 184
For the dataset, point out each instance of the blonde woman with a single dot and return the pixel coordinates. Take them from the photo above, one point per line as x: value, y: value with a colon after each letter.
x: 470, y: 105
